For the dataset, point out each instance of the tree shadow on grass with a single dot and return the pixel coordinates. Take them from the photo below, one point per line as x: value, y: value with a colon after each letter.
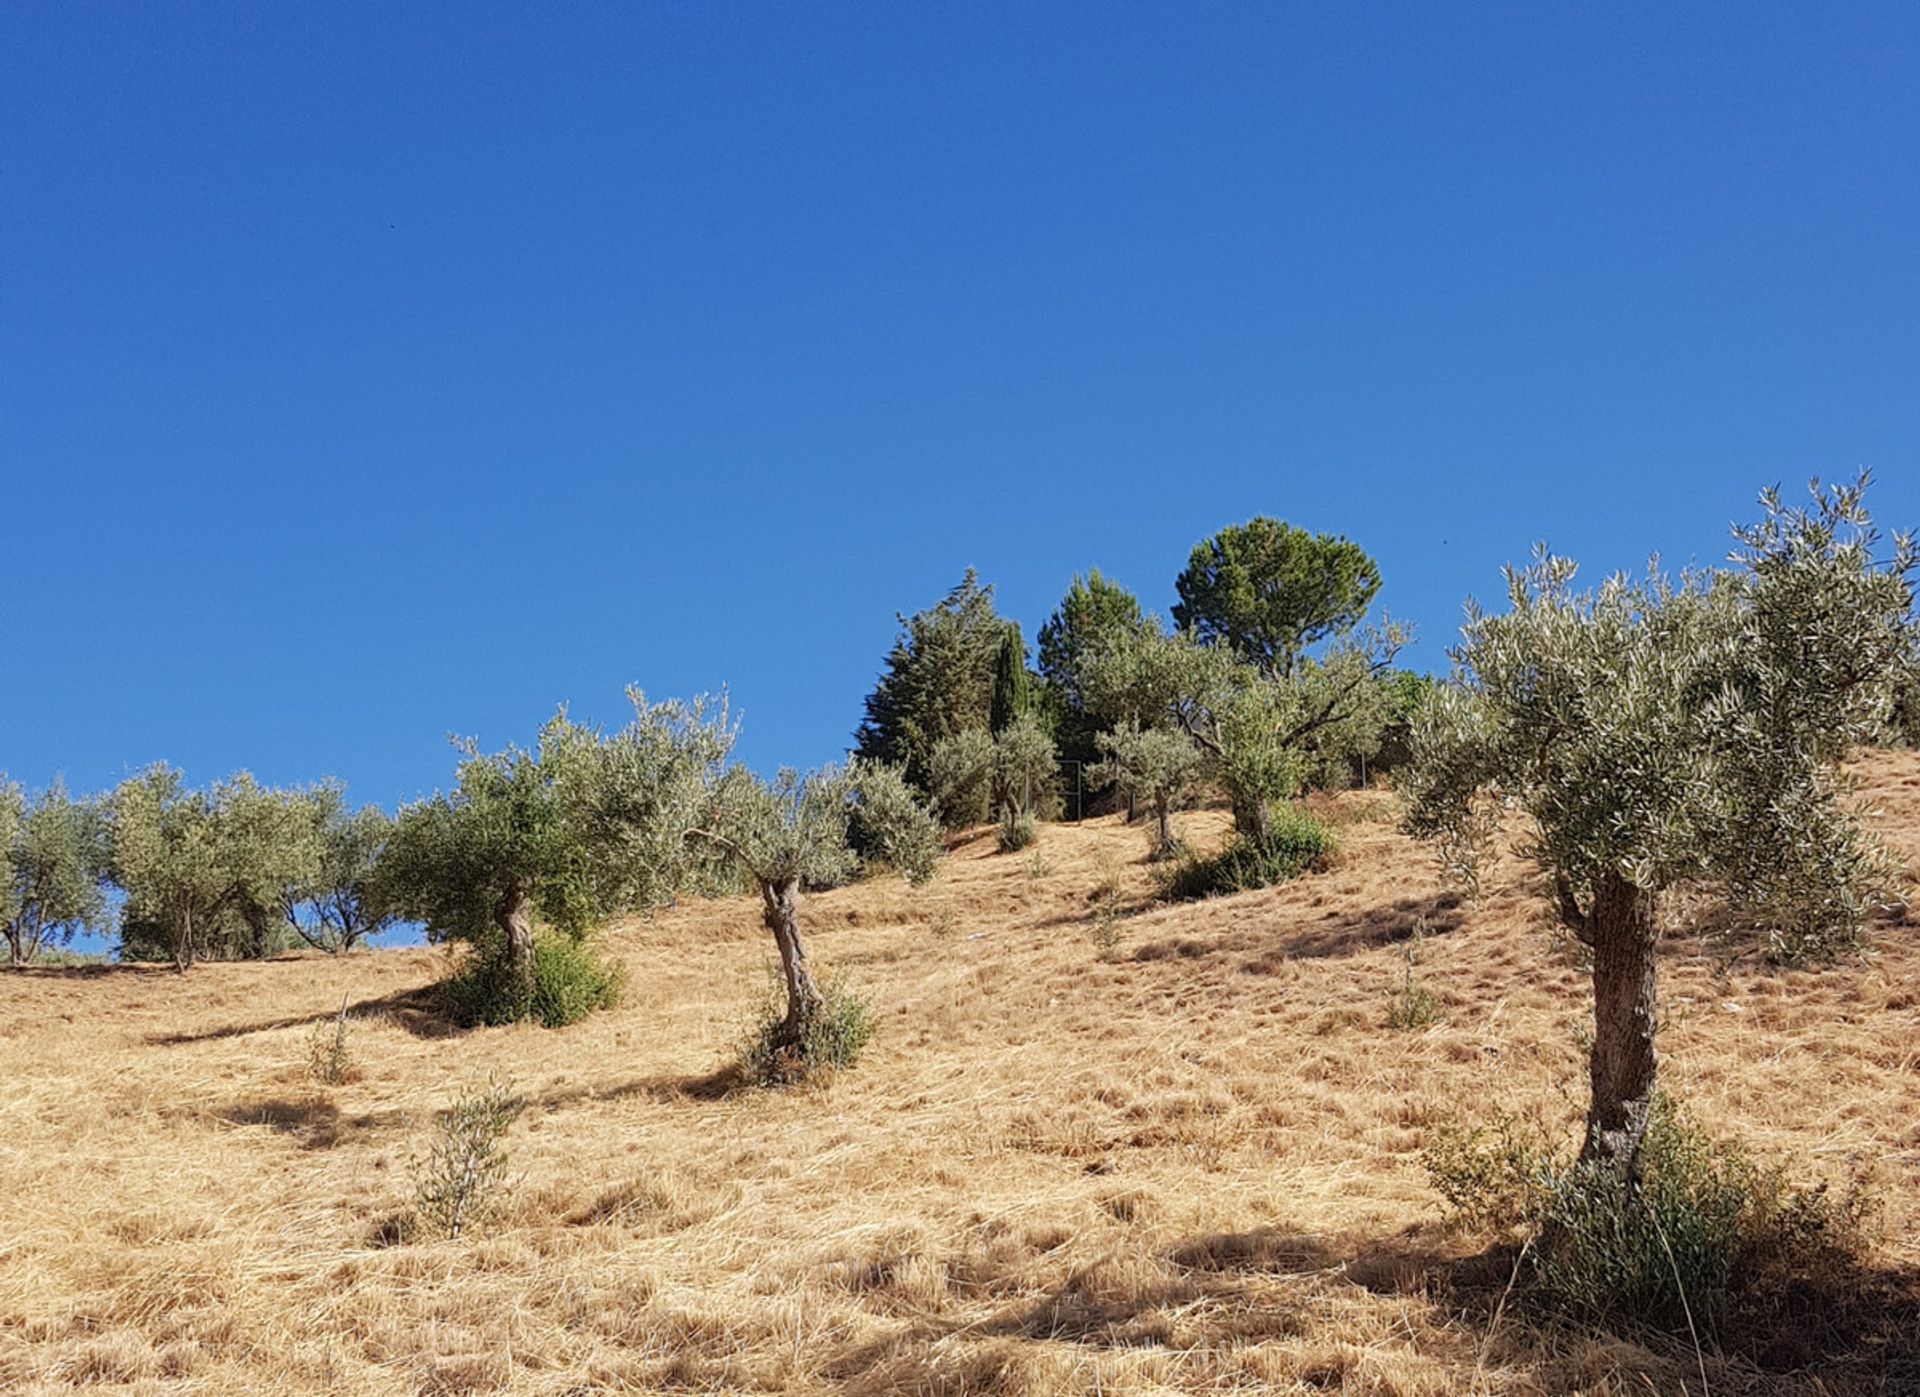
x: 1332, y: 934
x: 315, y: 1121
x: 421, y: 1011
x: 1840, y: 1331
x: 716, y: 1085
x: 91, y: 970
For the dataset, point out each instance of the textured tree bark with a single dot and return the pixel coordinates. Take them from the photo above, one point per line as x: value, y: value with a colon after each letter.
x: 183, y: 936
x: 1254, y: 821
x: 1163, y: 822
x: 1623, y: 1062
x: 257, y: 927
x: 782, y: 898
x: 514, y: 916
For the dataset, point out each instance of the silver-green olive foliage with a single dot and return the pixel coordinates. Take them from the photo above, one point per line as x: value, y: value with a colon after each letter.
x: 1260, y: 734
x: 1675, y: 731
x: 588, y: 825
x: 1681, y: 729
x: 1154, y: 766
x: 975, y: 772
x: 338, y: 906
x: 197, y: 863
x: 53, y: 859
x: 512, y: 840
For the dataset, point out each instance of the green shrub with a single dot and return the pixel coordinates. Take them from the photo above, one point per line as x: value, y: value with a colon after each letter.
x: 569, y: 982
x: 328, y: 1060
x: 1297, y: 840
x: 1665, y: 1250
x: 1017, y: 830
x: 462, y: 1180
x: 1414, y: 1006
x: 833, y: 1037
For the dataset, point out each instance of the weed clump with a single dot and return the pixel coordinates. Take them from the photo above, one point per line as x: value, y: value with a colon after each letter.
x: 1672, y: 1248
x: 832, y: 1037
x: 569, y: 982
x: 328, y: 1060
x: 1297, y: 840
x: 462, y: 1180
x: 1017, y: 830
x: 1414, y: 1005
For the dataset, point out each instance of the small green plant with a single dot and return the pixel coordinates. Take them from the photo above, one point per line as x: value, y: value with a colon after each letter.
x: 832, y: 1037
x: 327, y: 1057
x: 569, y: 982
x: 1017, y: 830
x: 1297, y: 840
x: 1106, y: 924
x: 1414, y: 1005
x: 462, y: 1180
x: 1663, y: 1248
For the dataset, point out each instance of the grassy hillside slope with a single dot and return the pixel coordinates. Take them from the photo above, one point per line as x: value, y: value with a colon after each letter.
x: 1188, y: 1165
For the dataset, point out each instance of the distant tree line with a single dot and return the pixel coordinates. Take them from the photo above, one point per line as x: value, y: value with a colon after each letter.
x: 1656, y: 734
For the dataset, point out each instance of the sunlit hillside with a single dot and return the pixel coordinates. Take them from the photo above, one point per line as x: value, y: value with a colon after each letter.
x: 1187, y: 1160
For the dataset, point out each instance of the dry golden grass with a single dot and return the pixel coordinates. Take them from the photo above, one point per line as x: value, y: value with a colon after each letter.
x: 1188, y: 1165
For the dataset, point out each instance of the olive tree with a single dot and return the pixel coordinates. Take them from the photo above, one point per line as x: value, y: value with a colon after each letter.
x: 338, y: 906
x: 796, y: 832
x: 1668, y: 731
x: 975, y: 773
x: 960, y: 775
x: 1259, y: 733
x: 513, y: 840
x: 1268, y: 591
x: 190, y: 859
x: 53, y: 859
x: 271, y: 842
x: 1155, y: 767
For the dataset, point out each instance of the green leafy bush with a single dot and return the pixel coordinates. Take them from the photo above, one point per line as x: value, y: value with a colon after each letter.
x: 833, y: 1036
x: 569, y: 982
x: 462, y: 1179
x: 1666, y: 1248
x: 328, y: 1059
x: 1017, y: 830
x: 1297, y: 840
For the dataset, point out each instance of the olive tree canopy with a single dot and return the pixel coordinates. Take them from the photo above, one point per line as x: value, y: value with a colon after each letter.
x: 1666, y: 731
x: 53, y: 858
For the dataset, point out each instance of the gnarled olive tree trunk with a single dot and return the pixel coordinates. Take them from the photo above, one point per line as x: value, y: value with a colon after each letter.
x: 1622, y: 930
x: 514, y: 916
x: 183, y: 935
x: 781, y: 915
x: 1163, y: 823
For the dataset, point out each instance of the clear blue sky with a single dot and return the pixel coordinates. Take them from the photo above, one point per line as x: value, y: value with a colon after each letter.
x: 375, y: 372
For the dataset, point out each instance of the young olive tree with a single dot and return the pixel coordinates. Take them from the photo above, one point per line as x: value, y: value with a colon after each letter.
x: 1664, y: 732
x: 796, y: 832
x: 975, y: 773
x: 512, y: 840
x: 53, y: 859
x: 1155, y: 767
x: 338, y: 906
